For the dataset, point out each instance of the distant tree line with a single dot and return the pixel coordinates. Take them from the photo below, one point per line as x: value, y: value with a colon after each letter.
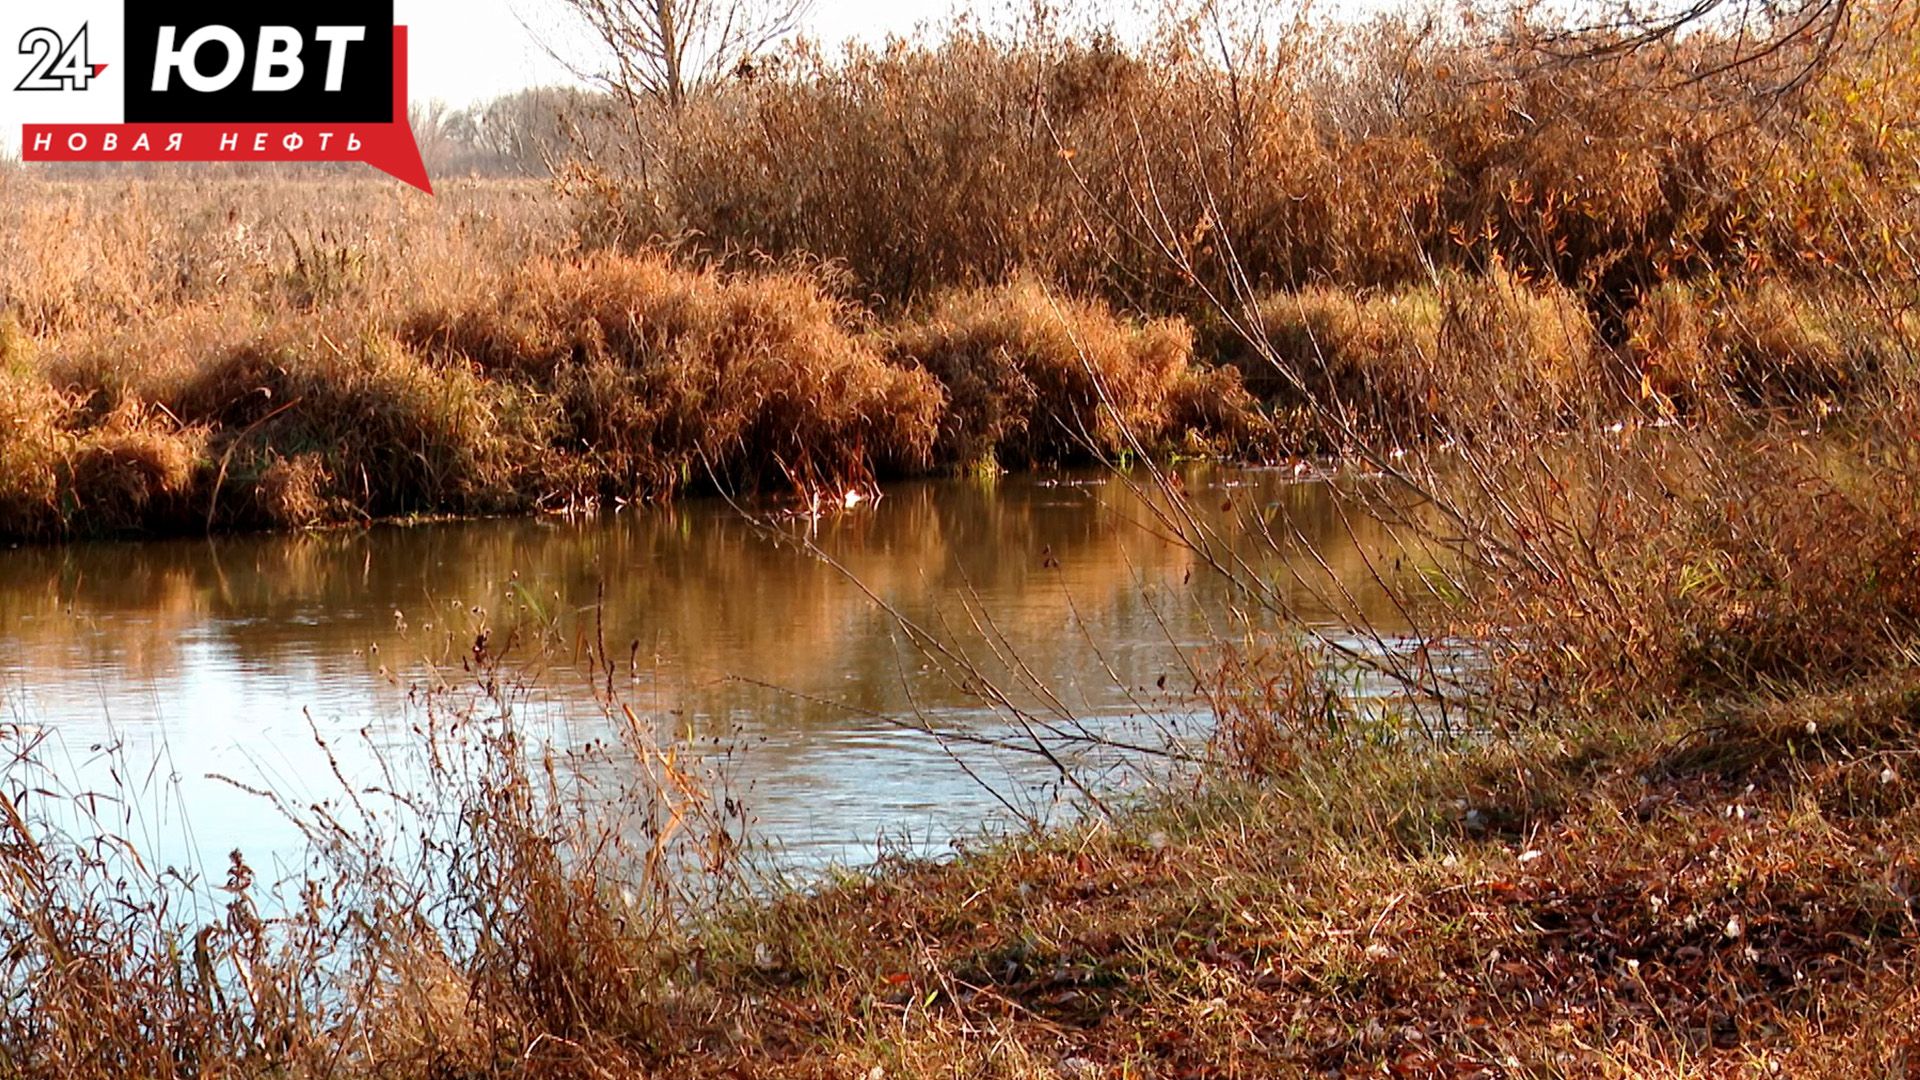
x: 526, y: 133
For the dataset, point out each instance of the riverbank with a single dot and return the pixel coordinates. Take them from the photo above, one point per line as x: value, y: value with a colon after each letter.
x: 460, y: 360
x: 1724, y: 892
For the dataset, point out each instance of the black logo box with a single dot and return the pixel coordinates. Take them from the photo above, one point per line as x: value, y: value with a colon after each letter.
x: 366, y: 91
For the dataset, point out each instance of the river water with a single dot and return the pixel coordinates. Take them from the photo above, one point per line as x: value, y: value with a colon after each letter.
x: 161, y: 671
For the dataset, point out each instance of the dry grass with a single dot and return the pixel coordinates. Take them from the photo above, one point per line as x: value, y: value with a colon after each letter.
x: 1035, y: 377
x: 1634, y: 571
x: 1165, y: 174
x: 323, y: 389
x: 505, y: 913
x: 305, y: 365
x: 253, y: 355
x: 1471, y: 355
x: 1794, y: 347
x: 660, y: 375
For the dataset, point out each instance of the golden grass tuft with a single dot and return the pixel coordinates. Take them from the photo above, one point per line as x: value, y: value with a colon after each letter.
x: 1469, y: 355
x: 67, y: 469
x: 1035, y: 377
x: 1794, y: 346
x: 399, y: 435
x: 664, y: 377
x: 135, y: 470
x: 34, y: 450
x: 296, y: 492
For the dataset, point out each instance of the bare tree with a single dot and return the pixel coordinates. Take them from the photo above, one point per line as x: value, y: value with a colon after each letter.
x: 1786, y: 41
x: 665, y: 49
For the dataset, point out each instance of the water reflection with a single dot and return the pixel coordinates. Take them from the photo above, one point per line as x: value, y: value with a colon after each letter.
x: 226, y: 656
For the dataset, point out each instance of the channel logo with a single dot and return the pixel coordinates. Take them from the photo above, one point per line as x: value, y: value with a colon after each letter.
x: 130, y: 80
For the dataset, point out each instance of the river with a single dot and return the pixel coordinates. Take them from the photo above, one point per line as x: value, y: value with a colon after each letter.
x: 162, y: 671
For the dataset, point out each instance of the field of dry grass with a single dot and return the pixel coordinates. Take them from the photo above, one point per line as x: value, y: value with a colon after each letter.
x: 969, y: 251
x: 243, y: 354
x: 248, y: 354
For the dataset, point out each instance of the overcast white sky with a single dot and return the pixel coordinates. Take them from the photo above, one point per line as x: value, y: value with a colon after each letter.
x: 462, y: 51
x: 467, y: 50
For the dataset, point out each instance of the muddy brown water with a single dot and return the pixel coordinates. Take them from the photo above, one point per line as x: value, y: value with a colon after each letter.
x: 156, y: 669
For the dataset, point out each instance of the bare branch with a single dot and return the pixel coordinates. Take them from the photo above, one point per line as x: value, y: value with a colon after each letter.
x: 663, y: 51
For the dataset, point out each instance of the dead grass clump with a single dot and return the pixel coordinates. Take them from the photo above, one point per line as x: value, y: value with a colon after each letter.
x: 662, y: 376
x: 1329, y: 356
x: 1215, y: 416
x: 1513, y: 353
x: 1795, y: 573
x: 398, y: 436
x: 67, y: 470
x: 1473, y: 355
x: 1275, y: 705
x: 506, y: 909
x: 297, y: 492
x: 1768, y: 737
x: 1798, y: 347
x: 1669, y: 340
x: 34, y: 449
x: 1035, y: 377
x: 135, y: 472
x: 549, y: 949
x: 523, y: 907
x: 1675, y: 567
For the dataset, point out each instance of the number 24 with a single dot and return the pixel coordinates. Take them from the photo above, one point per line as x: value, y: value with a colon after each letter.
x: 57, y: 65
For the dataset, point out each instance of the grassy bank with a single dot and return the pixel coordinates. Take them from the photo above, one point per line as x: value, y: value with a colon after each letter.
x: 454, y: 359
x: 1720, y: 894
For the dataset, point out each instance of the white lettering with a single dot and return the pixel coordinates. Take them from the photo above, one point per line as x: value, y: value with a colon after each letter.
x: 278, y: 66
x: 183, y: 59
x: 229, y: 141
x: 337, y: 39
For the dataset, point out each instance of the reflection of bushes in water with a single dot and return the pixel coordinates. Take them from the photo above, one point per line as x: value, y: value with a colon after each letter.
x: 693, y: 583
